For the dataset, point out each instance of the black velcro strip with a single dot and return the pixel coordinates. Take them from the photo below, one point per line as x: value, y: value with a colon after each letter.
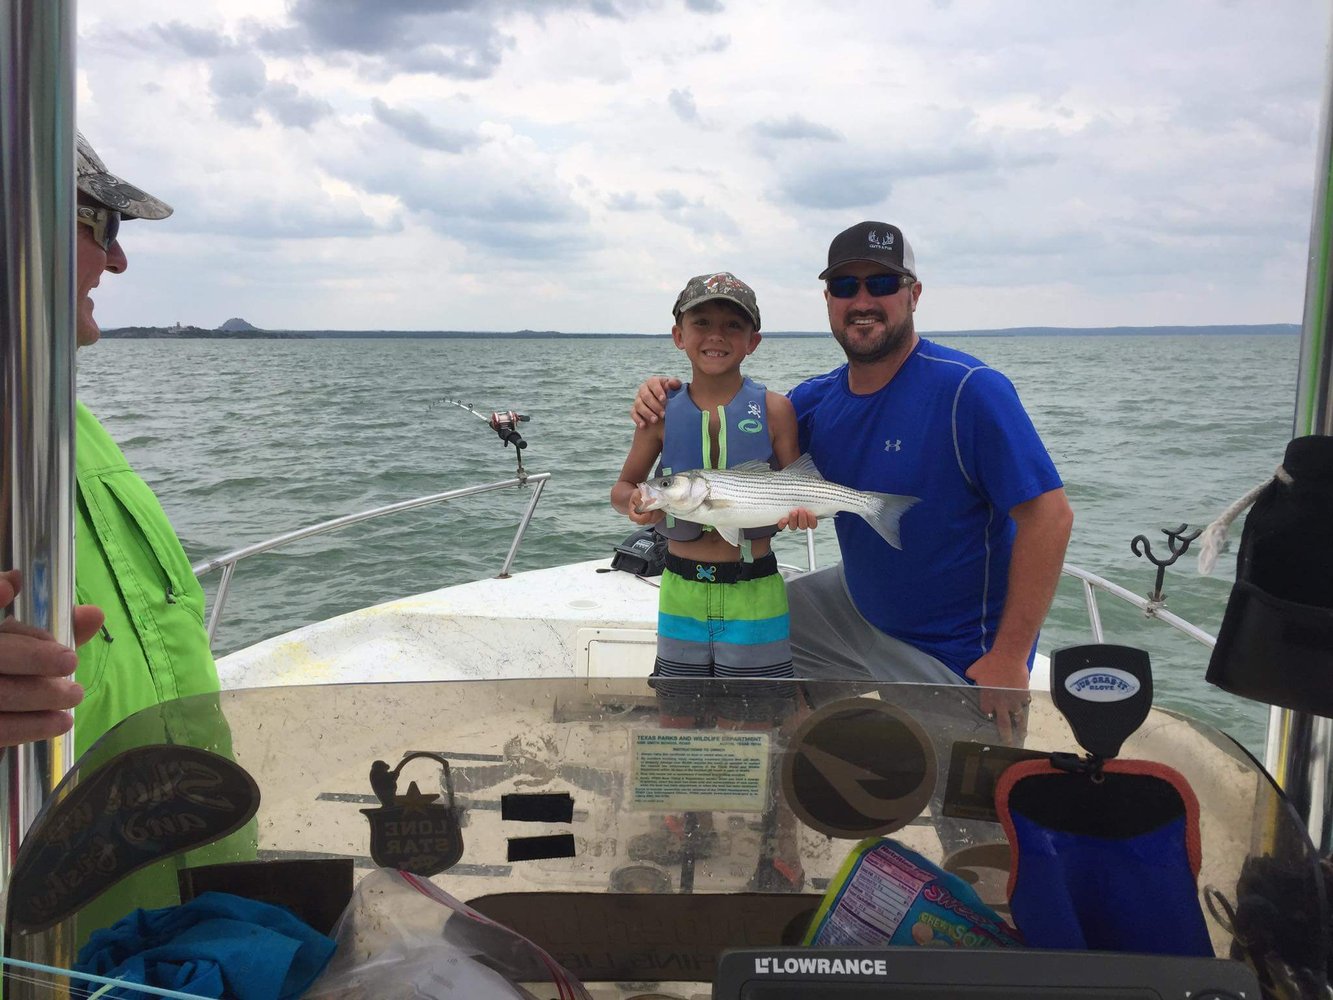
x: 560, y: 845
x: 537, y: 807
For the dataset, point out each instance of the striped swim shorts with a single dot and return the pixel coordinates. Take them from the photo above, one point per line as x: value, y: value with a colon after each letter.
x: 726, y: 619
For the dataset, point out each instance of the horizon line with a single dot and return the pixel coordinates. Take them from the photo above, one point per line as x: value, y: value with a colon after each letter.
x: 188, y: 332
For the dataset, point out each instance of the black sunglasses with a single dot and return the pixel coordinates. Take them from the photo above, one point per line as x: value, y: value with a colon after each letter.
x: 105, y: 223
x: 846, y: 286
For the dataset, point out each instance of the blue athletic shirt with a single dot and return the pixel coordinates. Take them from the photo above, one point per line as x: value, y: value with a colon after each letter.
x: 951, y: 431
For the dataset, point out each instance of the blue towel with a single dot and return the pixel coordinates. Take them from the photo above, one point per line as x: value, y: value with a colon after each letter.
x: 216, y: 945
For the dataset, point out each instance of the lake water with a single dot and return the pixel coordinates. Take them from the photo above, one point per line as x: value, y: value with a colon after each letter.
x: 243, y: 440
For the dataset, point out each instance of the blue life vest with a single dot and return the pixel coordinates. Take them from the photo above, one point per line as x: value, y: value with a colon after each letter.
x: 687, y: 445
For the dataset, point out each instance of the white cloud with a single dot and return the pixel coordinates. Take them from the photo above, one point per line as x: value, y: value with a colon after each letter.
x: 377, y: 163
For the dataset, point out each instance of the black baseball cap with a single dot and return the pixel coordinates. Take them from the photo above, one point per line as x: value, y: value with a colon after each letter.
x: 877, y: 242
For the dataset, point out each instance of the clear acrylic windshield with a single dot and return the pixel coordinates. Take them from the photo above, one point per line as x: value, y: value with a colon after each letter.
x: 630, y: 845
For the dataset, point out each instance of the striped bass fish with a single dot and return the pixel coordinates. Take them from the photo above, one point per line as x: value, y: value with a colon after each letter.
x: 754, y: 496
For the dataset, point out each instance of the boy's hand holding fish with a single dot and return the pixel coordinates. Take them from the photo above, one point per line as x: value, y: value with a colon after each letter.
x: 637, y: 514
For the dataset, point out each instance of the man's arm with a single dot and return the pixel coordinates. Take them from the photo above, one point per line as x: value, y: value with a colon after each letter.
x: 1044, y: 524
x: 36, y: 691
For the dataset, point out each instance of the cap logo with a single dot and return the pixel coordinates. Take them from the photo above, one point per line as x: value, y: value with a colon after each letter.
x: 884, y: 242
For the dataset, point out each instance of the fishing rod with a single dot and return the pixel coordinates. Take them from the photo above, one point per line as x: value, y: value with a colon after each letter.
x: 503, y: 422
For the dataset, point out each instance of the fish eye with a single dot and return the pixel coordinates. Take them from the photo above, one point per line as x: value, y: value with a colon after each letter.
x: 666, y: 483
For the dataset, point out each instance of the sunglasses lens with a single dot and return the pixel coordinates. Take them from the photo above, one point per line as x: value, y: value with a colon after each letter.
x: 877, y: 285
x: 844, y: 287
x: 882, y: 284
x: 111, y: 229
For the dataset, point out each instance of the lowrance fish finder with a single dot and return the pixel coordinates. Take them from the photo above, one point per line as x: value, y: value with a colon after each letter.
x: 992, y: 974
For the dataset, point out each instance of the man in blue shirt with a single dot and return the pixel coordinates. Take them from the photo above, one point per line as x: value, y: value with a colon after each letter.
x: 965, y: 597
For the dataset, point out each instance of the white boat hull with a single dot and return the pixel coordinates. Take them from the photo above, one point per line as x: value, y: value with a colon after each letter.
x: 576, y: 620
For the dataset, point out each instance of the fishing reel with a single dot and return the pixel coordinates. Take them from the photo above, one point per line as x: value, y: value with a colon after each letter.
x: 503, y: 423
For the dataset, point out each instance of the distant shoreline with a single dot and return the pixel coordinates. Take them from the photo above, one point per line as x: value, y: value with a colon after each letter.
x: 196, y: 333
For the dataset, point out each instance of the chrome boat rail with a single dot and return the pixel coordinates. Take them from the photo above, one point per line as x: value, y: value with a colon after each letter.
x: 228, y: 560
x: 1151, y: 609
x: 1091, y: 582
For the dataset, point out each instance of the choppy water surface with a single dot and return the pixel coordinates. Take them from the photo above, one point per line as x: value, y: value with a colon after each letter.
x: 246, y: 439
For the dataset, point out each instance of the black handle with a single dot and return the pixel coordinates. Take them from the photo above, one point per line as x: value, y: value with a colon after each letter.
x: 508, y: 435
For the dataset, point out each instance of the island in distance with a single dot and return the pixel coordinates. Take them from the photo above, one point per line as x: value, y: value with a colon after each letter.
x: 234, y: 327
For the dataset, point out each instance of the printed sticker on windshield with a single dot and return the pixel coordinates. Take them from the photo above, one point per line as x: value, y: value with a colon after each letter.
x: 696, y: 771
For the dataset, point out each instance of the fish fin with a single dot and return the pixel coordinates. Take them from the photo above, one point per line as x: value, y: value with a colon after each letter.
x: 754, y: 465
x: 718, y: 504
x: 731, y: 535
x: 803, y: 466
x: 883, y: 511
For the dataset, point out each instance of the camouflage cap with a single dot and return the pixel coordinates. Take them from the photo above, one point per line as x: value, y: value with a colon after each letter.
x: 98, y: 183
x: 722, y: 285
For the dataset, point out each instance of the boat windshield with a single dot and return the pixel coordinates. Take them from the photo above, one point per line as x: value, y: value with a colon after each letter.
x: 630, y: 832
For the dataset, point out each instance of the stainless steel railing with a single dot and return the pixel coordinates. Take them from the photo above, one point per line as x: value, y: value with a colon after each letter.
x: 1092, y: 583
x: 228, y: 560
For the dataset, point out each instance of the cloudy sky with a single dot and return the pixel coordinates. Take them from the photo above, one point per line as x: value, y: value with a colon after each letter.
x: 567, y: 164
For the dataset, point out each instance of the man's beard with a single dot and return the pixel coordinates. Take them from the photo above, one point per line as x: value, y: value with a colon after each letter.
x: 862, y: 351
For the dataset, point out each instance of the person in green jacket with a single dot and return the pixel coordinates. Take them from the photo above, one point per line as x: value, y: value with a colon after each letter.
x: 139, y: 622
x: 139, y: 625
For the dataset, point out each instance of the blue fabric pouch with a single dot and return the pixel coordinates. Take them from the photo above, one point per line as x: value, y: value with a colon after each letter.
x: 1109, y: 864
x: 215, y: 945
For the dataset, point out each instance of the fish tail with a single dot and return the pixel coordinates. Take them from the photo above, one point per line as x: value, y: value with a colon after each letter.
x: 883, y: 511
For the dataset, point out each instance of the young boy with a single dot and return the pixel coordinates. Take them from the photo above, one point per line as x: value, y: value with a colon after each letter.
x: 722, y: 612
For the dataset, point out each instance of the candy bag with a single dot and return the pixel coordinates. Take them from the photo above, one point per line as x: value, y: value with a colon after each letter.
x: 886, y: 894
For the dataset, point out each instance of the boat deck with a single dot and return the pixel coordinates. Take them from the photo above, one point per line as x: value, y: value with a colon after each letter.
x: 581, y: 619
x: 577, y: 620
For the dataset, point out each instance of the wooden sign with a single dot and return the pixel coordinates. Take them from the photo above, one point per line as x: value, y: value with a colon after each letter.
x: 141, y: 806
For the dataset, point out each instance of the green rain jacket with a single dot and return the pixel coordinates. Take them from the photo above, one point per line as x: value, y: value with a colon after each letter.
x: 153, y: 650
x: 130, y: 563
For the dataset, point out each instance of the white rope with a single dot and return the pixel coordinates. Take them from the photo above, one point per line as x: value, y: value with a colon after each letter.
x: 1215, y: 535
x: 66, y: 978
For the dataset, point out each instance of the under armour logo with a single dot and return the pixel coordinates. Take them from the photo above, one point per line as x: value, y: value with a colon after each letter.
x: 706, y: 573
x: 892, y: 445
